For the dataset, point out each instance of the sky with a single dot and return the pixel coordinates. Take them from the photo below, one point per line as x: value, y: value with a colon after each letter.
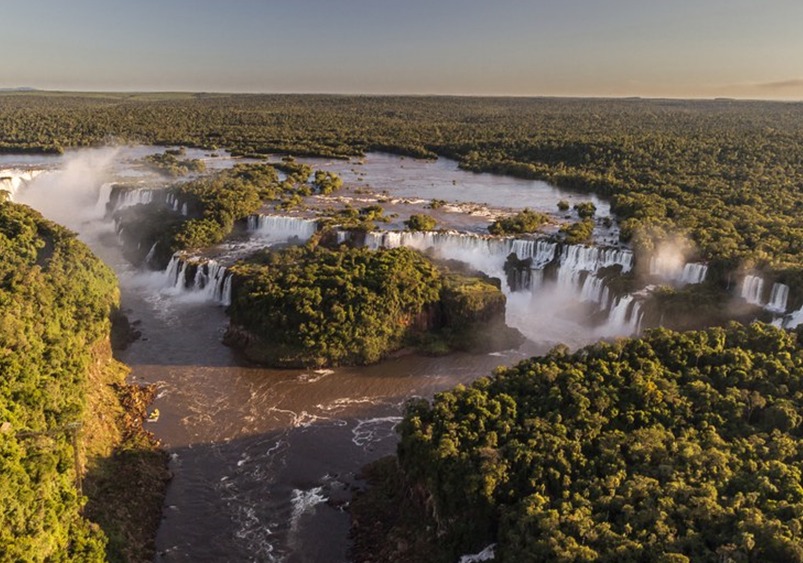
x: 649, y: 48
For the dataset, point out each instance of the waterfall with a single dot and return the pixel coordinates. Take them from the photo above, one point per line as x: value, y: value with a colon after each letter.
x: 131, y: 197
x: 778, y: 298
x: 104, y: 195
x: 693, y: 273
x: 620, y: 310
x: 672, y: 268
x: 595, y: 291
x: 592, y: 258
x: 483, y: 253
x: 279, y: 227
x: 794, y: 320
x: 174, y: 272
x: 752, y: 289
x: 574, y: 293
x: 212, y: 280
x: 12, y: 181
x: 225, y: 298
x: 151, y: 253
x: 172, y: 201
x: 624, y: 319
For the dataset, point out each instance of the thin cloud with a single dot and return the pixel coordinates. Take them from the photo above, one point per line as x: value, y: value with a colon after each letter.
x: 782, y: 84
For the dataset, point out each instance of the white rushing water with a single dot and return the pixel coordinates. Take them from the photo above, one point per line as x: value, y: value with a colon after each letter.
x: 487, y: 554
x: 543, y: 308
x: 12, y: 180
x: 131, y: 197
x: 672, y: 268
x: 211, y: 281
x: 279, y: 227
x: 693, y: 273
x: 778, y: 298
x: 753, y: 289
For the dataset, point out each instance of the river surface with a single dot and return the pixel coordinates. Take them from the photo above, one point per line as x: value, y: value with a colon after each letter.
x: 263, y: 460
x: 443, y: 179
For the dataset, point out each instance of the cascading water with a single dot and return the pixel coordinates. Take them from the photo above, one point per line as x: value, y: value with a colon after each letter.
x: 672, y: 268
x: 592, y: 258
x: 12, y: 180
x: 778, y: 298
x: 595, y: 291
x: 278, y: 227
x: 753, y: 289
x: 151, y: 253
x: 624, y: 316
x: 104, y: 197
x: 132, y: 197
x: 793, y: 320
x: 693, y: 273
x: 576, y: 280
x: 483, y: 253
x: 211, y: 279
x: 172, y: 202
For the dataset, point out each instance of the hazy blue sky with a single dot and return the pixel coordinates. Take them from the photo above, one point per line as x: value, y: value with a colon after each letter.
x: 677, y: 48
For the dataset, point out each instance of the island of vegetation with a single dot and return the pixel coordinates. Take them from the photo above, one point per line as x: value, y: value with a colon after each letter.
x: 525, y: 221
x: 318, y: 306
x: 169, y: 163
x: 672, y: 447
x: 81, y: 480
x: 312, y: 306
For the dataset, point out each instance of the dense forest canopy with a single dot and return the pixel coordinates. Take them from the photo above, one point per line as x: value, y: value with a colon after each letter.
x: 55, y: 301
x: 314, y: 306
x: 726, y: 173
x: 81, y: 479
x: 673, y: 447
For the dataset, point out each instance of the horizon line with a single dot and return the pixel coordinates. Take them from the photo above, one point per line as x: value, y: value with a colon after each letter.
x: 34, y: 90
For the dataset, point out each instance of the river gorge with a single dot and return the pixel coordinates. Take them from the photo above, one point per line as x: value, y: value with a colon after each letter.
x: 264, y: 460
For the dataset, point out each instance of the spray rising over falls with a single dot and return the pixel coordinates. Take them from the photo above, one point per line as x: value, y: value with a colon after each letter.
x: 70, y: 194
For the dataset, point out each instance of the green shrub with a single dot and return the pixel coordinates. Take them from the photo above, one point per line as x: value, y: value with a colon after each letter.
x: 525, y: 221
x: 420, y: 222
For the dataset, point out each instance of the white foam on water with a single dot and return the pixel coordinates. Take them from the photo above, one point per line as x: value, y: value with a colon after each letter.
x: 372, y: 430
x: 304, y: 502
x: 345, y: 402
x: 486, y: 554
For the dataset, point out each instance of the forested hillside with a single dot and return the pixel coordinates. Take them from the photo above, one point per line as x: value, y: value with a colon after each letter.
x: 673, y: 447
x: 61, y: 417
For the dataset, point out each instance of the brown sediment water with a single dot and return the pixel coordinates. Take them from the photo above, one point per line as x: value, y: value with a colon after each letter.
x: 264, y: 459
